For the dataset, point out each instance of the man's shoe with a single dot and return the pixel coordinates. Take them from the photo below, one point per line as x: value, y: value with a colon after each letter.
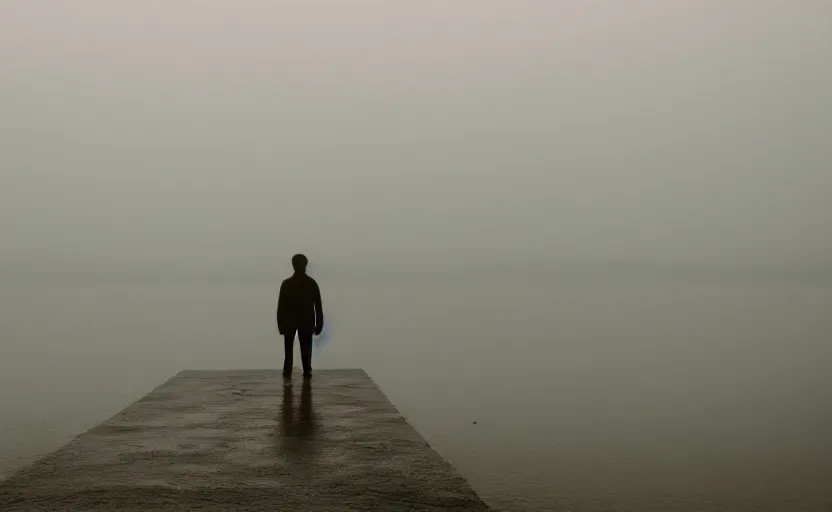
x: 307, y: 375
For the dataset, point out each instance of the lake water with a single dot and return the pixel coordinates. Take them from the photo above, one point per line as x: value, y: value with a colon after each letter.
x: 586, y: 396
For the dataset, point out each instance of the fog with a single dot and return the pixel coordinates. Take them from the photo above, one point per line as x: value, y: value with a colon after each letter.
x: 210, y: 136
x: 597, y: 172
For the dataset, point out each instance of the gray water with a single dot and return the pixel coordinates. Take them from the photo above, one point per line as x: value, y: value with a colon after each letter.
x: 588, y: 396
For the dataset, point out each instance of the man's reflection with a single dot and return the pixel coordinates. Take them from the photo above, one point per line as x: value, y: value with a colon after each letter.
x: 297, y: 428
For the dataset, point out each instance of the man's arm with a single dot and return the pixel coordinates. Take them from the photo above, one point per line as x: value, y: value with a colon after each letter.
x: 319, y: 310
x: 281, y: 299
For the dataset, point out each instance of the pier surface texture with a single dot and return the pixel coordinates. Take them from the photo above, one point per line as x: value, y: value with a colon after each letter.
x: 244, y: 441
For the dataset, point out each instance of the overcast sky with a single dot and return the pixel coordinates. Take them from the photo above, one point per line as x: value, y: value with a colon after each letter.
x: 222, y: 135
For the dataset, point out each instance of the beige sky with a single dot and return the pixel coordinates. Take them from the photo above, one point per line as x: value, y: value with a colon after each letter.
x: 214, y: 135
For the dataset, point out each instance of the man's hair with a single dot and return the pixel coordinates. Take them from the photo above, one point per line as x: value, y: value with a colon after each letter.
x: 299, y: 262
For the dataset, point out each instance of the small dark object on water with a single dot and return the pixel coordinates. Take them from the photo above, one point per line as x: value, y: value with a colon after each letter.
x: 475, y: 423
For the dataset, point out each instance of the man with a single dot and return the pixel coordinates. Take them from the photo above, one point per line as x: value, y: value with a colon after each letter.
x: 299, y: 310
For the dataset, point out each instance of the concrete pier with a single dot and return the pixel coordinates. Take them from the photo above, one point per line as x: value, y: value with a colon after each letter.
x: 243, y: 441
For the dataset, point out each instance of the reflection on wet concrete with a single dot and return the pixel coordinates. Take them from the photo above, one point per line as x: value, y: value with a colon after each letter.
x: 297, y: 426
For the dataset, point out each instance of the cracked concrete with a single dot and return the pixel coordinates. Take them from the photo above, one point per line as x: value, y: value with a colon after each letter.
x: 242, y: 441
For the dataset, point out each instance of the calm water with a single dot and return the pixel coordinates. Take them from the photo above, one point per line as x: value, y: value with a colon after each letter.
x: 596, y: 397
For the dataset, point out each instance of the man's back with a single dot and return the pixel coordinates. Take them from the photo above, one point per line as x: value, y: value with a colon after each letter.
x: 299, y: 312
x: 299, y: 304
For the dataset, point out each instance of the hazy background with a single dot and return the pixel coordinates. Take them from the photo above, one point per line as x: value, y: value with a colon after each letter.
x: 600, y: 227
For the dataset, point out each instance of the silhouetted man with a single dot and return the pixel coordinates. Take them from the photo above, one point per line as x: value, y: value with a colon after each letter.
x: 299, y: 310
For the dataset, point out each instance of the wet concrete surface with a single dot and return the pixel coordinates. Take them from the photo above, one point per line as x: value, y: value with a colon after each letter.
x: 244, y: 441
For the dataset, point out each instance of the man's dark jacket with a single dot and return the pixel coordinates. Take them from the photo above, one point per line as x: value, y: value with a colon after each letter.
x: 299, y: 305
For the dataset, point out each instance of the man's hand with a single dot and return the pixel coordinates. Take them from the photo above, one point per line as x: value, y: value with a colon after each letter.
x: 319, y: 330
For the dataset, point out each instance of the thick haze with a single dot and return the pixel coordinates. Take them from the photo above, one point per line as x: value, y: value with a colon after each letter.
x: 160, y: 161
x: 176, y: 137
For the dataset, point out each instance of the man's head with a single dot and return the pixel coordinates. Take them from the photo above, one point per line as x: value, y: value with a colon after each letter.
x: 299, y: 263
